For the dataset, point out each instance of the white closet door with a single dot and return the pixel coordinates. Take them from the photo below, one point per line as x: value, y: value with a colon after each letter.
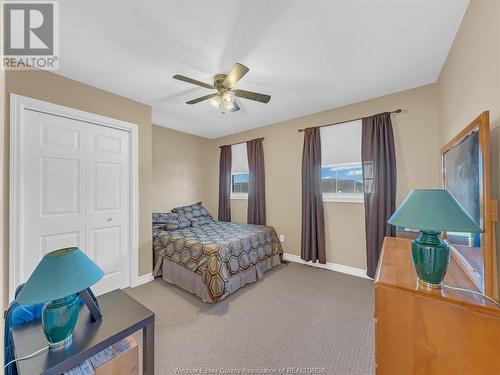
x: 75, y: 192
x: 53, y: 208
x: 108, y: 179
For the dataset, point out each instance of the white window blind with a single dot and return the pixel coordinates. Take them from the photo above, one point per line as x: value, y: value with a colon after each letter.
x: 341, y: 144
x: 239, y: 158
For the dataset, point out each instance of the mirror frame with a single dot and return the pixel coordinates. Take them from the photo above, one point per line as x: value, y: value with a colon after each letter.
x: 486, y: 283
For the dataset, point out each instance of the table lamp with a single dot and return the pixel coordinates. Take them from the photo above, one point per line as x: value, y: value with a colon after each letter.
x: 432, y: 211
x: 56, y: 282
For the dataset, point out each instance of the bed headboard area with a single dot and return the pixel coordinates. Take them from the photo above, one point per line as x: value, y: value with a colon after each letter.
x: 466, y: 174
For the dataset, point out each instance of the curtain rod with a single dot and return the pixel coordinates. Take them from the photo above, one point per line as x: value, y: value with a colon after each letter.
x: 343, y: 122
x: 238, y: 143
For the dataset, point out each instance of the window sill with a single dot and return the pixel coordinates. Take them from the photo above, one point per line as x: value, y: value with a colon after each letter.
x: 343, y: 199
x: 239, y: 196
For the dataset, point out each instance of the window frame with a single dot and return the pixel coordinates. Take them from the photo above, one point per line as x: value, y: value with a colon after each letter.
x: 343, y: 197
x: 238, y: 195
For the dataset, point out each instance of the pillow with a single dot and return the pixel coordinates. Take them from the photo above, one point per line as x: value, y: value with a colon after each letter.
x: 160, y: 217
x: 192, y: 211
x: 201, y: 220
x: 171, y: 220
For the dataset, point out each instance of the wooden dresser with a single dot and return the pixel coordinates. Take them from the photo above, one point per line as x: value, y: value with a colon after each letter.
x: 435, y: 332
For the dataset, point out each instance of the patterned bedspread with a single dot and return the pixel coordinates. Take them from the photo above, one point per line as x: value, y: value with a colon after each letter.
x: 216, y: 251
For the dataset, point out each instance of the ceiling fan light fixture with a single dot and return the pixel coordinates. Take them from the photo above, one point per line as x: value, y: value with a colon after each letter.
x: 229, y: 108
x: 228, y: 104
x: 228, y: 98
x: 216, y: 101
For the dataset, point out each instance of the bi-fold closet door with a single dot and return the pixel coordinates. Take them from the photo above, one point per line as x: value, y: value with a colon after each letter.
x: 75, y: 190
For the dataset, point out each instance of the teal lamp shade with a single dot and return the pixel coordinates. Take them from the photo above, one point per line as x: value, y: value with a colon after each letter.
x: 57, y: 279
x: 59, y: 274
x: 432, y: 211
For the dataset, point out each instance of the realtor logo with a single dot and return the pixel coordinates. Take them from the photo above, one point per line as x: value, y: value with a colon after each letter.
x: 30, y: 35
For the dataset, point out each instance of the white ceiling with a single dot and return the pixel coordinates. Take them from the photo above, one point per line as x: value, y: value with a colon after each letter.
x: 308, y: 55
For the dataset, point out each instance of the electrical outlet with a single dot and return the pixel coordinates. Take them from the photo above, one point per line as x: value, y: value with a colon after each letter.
x: 282, y: 238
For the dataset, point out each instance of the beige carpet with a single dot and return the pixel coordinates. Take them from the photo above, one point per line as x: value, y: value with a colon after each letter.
x: 296, y: 317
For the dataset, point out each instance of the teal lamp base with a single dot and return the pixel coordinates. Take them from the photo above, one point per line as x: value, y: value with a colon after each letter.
x: 59, y: 319
x: 430, y: 257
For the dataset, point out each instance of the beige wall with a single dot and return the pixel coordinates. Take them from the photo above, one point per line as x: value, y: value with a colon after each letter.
x: 179, y: 176
x: 417, y: 160
x: 64, y: 91
x: 470, y: 80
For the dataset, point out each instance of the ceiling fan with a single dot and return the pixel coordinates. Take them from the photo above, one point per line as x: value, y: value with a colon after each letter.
x: 224, y: 99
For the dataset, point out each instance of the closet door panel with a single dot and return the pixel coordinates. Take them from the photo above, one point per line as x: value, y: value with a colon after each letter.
x: 52, y: 187
x: 108, y: 162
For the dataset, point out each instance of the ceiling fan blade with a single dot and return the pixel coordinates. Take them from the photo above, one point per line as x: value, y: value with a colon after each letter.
x: 193, y: 81
x: 238, y: 71
x: 200, y: 99
x: 263, y: 98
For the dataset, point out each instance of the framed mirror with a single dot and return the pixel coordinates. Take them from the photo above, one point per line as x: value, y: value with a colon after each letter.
x: 467, y: 175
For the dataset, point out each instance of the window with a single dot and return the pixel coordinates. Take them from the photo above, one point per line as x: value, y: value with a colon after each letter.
x: 347, y: 178
x: 239, y: 171
x: 464, y: 239
x: 239, y: 182
x: 341, y: 169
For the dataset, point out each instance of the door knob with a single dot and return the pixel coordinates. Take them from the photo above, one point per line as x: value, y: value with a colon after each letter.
x: 109, y: 219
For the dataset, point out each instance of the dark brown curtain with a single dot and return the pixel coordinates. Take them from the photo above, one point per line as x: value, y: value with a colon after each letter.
x: 313, y: 219
x: 379, y: 175
x: 225, y: 184
x: 256, y: 213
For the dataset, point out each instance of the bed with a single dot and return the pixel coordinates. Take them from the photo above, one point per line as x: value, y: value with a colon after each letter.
x: 209, y: 258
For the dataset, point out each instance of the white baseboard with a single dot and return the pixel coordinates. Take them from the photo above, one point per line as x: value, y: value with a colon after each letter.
x: 143, y: 279
x: 359, y: 272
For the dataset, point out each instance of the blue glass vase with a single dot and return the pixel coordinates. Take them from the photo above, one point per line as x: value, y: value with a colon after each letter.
x: 431, y: 257
x: 59, y: 319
